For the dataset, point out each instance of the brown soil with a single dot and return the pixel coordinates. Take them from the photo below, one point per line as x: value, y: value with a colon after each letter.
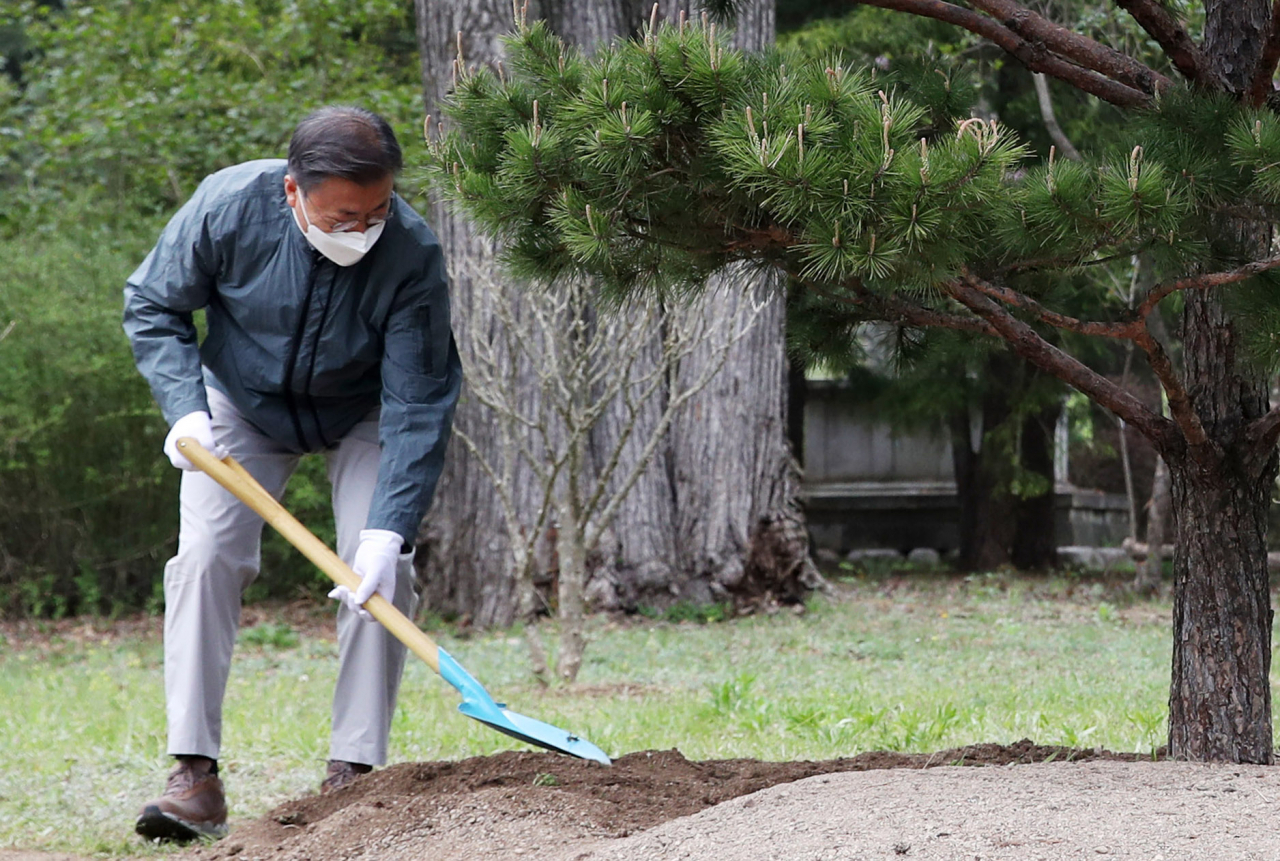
x: 545, y: 805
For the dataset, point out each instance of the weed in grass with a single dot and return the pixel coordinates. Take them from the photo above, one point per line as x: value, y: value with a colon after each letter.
x: 270, y: 635
x: 687, y: 611
x: 1071, y: 737
x: 1151, y: 723
x: 729, y: 696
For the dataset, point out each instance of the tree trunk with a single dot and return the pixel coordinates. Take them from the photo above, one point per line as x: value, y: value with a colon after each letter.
x: 733, y: 478
x: 466, y: 569
x: 1151, y: 571
x: 987, y: 509
x: 1220, y: 696
x: 707, y: 520
x: 1035, y: 544
x: 732, y: 464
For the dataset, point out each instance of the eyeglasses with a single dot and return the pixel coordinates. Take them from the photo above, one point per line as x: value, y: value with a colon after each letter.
x: 344, y: 226
x: 373, y: 221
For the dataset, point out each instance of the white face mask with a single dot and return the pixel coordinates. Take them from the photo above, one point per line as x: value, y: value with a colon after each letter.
x: 346, y: 248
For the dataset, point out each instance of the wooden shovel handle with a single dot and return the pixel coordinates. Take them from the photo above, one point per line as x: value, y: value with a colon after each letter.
x: 229, y: 473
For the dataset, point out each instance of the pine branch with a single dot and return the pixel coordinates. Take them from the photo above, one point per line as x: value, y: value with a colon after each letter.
x: 1135, y: 331
x: 1030, y: 54
x: 1029, y: 344
x: 1179, y: 401
x: 1172, y: 38
x: 1203, y: 282
x: 1022, y: 301
x: 1262, y: 84
x: 1073, y: 46
x: 892, y: 309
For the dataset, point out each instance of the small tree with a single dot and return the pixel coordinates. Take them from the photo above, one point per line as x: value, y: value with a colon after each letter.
x: 662, y: 160
x: 588, y: 363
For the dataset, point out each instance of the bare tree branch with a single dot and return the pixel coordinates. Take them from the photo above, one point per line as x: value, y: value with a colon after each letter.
x: 1031, y: 55
x: 1073, y: 46
x: 1204, y: 282
x: 1172, y: 38
x: 1050, y: 119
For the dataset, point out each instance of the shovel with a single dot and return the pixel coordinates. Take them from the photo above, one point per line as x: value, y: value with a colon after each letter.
x: 476, y: 702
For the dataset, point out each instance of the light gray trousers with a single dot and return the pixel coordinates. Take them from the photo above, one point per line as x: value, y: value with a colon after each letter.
x: 219, y: 552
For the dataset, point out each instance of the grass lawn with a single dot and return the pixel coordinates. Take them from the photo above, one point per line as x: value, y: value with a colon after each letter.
x: 915, y: 663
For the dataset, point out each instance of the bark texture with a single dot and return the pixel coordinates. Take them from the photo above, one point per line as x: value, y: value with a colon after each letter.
x: 724, y: 481
x: 1220, y: 696
x: 467, y: 567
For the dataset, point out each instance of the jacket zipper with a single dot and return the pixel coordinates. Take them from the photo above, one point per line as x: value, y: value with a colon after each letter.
x: 311, y: 366
x: 292, y: 362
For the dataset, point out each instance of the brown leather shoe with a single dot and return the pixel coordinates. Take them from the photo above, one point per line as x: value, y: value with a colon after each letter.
x: 192, y: 806
x: 339, y: 774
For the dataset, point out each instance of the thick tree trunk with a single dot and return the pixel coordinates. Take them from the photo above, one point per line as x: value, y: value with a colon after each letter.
x: 1220, y: 696
x: 466, y: 569
x: 706, y: 521
x: 733, y: 478
x: 730, y: 453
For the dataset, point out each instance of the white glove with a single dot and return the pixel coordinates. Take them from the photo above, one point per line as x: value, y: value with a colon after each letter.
x: 376, y: 560
x: 199, y: 426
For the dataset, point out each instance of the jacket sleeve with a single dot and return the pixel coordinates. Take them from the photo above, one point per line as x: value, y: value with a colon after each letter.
x: 421, y: 379
x: 174, y: 280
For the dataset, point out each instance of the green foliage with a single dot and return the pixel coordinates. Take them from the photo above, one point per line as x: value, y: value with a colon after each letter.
x: 655, y: 162
x: 88, y: 503
x: 85, y: 497
x: 139, y: 101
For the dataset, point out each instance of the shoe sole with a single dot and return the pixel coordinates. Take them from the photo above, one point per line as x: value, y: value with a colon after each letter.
x: 154, y: 824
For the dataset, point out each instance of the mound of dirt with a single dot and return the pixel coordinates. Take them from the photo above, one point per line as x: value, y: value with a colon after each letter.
x: 544, y: 805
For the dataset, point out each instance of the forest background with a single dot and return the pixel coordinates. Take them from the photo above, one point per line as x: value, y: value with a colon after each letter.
x: 110, y: 114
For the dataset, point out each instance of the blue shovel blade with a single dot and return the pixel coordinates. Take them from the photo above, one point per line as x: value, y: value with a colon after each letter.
x: 476, y: 703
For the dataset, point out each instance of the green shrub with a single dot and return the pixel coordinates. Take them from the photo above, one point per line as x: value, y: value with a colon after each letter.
x: 86, y: 503
x: 139, y: 101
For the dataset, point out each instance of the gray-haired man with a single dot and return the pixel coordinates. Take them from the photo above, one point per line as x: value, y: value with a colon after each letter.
x: 327, y: 306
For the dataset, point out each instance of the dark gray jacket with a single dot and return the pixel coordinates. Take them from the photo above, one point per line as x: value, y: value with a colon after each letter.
x: 303, y: 347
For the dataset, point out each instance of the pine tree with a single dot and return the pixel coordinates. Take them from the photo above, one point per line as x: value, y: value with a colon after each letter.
x: 658, y: 161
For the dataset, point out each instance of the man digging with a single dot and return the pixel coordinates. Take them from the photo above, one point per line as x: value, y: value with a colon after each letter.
x: 327, y: 306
